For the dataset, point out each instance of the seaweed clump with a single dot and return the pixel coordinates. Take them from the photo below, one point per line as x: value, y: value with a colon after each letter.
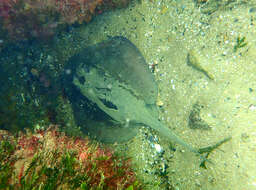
x: 51, y: 160
x: 195, y: 120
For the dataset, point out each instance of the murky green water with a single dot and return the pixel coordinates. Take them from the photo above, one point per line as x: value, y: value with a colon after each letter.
x: 204, y: 58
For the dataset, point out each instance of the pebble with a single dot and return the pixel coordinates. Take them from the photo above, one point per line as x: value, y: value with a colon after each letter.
x: 252, y: 10
x: 252, y: 107
x: 159, y: 102
x: 197, y: 182
x: 158, y: 148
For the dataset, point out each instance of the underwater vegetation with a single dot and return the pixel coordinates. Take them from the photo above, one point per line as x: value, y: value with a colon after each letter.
x: 24, y: 19
x: 51, y: 160
x: 240, y: 42
x: 195, y: 120
x: 31, y: 93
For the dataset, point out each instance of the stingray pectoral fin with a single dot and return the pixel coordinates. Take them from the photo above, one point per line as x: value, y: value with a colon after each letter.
x: 163, y: 130
x: 112, y: 133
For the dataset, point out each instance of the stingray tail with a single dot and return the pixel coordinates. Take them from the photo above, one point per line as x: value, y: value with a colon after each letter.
x: 163, y: 130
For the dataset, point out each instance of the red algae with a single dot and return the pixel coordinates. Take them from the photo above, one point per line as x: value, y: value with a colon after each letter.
x: 50, y: 157
x: 25, y: 19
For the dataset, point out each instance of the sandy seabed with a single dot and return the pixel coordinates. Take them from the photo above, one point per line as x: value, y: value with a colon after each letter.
x: 166, y: 32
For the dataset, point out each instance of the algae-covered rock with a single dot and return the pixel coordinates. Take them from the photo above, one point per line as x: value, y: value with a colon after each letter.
x: 195, y: 120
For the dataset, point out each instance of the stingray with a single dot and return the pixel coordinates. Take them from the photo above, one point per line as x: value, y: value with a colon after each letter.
x: 114, y: 76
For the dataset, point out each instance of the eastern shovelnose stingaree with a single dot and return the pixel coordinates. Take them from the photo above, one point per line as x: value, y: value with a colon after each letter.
x: 114, y: 75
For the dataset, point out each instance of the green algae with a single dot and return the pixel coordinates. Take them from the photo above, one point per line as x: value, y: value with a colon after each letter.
x: 195, y: 120
x: 240, y: 42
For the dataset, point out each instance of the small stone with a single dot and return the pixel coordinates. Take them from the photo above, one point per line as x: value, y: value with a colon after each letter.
x: 252, y: 10
x: 252, y: 107
x: 34, y: 72
x: 244, y: 137
x: 211, y: 179
x: 159, y: 102
x: 197, y: 182
x: 158, y: 148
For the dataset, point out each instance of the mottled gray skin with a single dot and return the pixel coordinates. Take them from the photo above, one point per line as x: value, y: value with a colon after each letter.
x: 124, y: 62
x: 115, y: 76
